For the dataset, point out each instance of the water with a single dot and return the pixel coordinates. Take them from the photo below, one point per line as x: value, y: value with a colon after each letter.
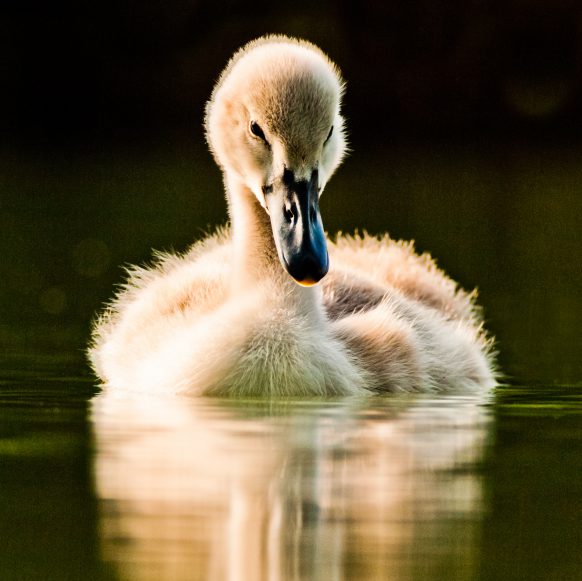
x: 103, y: 487
x: 122, y: 487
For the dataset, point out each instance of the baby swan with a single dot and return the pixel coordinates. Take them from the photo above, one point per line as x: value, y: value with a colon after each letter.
x: 241, y: 313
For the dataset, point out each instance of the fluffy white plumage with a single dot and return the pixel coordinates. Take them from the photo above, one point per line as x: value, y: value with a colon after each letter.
x: 228, y: 318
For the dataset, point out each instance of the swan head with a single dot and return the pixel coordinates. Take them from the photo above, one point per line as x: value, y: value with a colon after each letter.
x: 273, y: 124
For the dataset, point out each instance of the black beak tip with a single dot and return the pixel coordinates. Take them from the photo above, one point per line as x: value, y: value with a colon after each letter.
x: 310, y: 271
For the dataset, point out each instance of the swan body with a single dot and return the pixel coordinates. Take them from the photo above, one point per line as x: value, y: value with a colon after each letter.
x: 241, y: 312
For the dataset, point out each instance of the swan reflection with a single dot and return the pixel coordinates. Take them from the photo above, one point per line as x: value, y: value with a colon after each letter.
x: 382, y: 488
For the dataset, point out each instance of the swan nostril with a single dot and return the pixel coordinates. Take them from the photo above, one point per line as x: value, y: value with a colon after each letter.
x: 290, y: 211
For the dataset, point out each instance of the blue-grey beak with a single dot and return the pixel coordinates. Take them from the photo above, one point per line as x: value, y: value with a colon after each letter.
x: 297, y: 228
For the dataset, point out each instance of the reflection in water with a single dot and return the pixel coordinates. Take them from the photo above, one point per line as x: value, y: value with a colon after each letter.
x: 378, y: 488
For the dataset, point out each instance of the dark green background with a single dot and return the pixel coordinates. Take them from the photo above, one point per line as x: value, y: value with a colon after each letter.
x: 464, y: 120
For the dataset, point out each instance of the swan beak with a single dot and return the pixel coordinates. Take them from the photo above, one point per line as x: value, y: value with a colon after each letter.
x: 293, y: 207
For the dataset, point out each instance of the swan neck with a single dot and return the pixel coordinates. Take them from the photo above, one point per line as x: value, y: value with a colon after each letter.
x: 255, y: 254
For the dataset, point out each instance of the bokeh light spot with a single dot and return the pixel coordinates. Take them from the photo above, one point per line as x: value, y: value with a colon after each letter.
x: 537, y: 99
x: 91, y: 257
x: 53, y: 300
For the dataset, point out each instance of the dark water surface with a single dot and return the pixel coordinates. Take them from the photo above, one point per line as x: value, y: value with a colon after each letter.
x: 124, y: 487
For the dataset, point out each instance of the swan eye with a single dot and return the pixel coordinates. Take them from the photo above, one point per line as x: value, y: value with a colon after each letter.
x: 328, y: 135
x: 257, y: 131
